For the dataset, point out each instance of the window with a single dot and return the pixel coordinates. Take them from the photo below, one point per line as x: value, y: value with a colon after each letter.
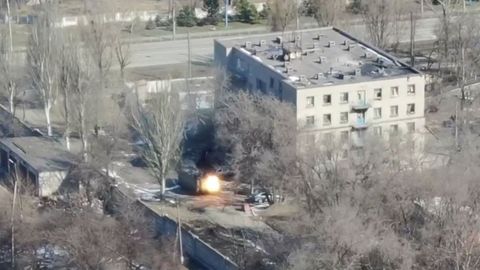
x: 394, y: 91
x: 310, y: 102
x: 343, y: 97
x: 393, y: 111
x: 261, y: 85
x: 377, y: 131
x: 343, y: 117
x: 344, y: 136
x: 411, y: 108
x: 327, y: 119
x: 411, y: 127
x: 411, y: 89
x: 394, y: 129
x: 378, y: 93
x: 272, y: 82
x: 377, y: 113
x: 310, y: 120
x: 327, y: 99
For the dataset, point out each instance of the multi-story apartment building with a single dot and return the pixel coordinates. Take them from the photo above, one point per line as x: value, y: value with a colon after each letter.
x: 338, y: 84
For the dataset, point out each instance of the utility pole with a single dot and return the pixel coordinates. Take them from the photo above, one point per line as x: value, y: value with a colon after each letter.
x: 297, y: 19
x: 421, y: 6
x: 456, y: 126
x: 9, y: 26
x: 174, y: 20
x: 189, y: 56
x: 412, y: 39
x: 226, y: 14
x: 180, y: 235
x: 12, y: 220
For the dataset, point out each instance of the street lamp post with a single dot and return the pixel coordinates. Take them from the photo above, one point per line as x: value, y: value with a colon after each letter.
x: 226, y: 14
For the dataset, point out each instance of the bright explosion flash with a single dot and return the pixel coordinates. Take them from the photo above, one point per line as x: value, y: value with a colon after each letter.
x: 211, y: 184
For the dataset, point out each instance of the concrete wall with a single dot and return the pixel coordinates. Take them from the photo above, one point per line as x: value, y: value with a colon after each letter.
x: 49, y: 182
x: 193, y: 246
x: 200, y: 95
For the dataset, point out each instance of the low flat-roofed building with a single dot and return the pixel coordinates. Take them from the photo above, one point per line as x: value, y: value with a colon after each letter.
x: 40, y: 161
x: 338, y: 84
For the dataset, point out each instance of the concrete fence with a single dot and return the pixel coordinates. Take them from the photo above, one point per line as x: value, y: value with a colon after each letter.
x: 194, y: 247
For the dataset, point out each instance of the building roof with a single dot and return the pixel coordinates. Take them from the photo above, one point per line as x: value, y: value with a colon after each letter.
x: 12, y: 127
x: 320, y: 57
x: 43, y: 154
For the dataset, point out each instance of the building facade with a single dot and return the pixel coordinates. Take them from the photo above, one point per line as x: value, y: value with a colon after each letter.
x: 340, y: 86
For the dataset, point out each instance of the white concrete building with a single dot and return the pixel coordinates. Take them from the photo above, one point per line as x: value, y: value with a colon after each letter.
x: 338, y: 84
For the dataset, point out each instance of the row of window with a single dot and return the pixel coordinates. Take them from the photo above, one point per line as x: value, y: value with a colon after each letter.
x: 377, y: 131
x: 394, y: 129
x: 344, y: 96
x: 377, y: 114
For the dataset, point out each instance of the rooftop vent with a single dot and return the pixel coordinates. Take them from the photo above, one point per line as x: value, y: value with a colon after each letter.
x: 357, y: 72
x: 367, y: 55
x: 289, y: 70
x: 322, y: 59
x: 319, y: 36
x: 331, y: 43
x: 262, y: 43
x: 316, y: 45
x: 279, y: 40
x: 339, y: 76
x: 302, y: 78
x: 248, y: 44
x: 346, y: 42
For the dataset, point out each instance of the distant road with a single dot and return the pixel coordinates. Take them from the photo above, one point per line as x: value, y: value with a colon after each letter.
x: 175, y: 51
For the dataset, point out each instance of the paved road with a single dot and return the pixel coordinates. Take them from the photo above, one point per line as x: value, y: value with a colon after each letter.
x: 176, y: 52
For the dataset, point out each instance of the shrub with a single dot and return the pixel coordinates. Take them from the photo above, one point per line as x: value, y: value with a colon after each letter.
x: 150, y: 25
x: 186, y: 17
x: 209, y: 21
x: 246, y: 12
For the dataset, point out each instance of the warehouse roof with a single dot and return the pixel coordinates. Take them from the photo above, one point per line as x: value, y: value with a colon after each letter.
x: 42, y: 154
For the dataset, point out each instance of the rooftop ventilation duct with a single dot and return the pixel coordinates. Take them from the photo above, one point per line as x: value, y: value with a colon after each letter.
x: 248, y: 44
x: 331, y: 44
x: 262, y: 43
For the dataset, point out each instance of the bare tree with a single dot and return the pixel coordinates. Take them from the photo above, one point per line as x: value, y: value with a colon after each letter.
x: 257, y: 130
x: 81, y: 81
x: 9, y: 74
x: 43, y: 61
x: 377, y: 15
x: 99, y: 37
x: 123, y: 54
x: 327, y: 12
x: 161, y: 126
x: 465, y: 51
x: 282, y: 13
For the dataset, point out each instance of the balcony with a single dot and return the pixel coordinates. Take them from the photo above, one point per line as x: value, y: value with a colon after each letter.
x: 359, y: 123
x: 360, y: 105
